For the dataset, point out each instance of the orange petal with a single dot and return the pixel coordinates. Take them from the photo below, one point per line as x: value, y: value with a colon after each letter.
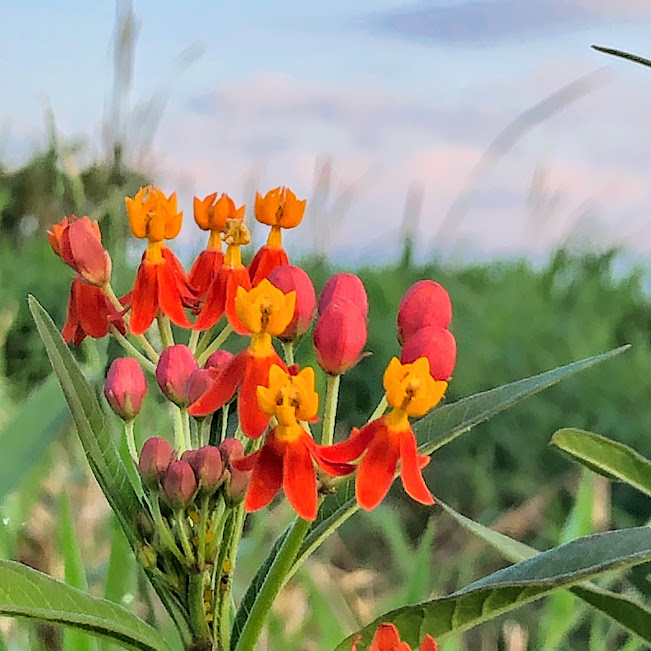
x: 299, y: 479
x: 412, y: 478
x: 91, y: 310
x: 144, y: 298
x: 333, y: 469
x: 237, y: 277
x: 266, y: 478
x: 245, y: 463
x: 223, y: 389
x: 265, y: 261
x: 387, y: 638
x: 186, y: 291
x: 377, y: 468
x: 213, y: 308
x: 204, y: 270
x: 353, y: 447
x: 72, y: 330
x: 428, y: 644
x: 169, y: 297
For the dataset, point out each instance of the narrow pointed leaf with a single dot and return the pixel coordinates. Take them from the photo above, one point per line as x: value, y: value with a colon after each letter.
x: 507, y: 589
x: 24, y: 592
x: 605, y: 456
x: 627, y: 613
x: 623, y: 55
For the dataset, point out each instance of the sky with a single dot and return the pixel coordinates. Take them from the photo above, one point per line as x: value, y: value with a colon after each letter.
x: 485, y: 128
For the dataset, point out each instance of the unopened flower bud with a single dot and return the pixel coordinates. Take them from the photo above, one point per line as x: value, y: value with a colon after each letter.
x: 424, y: 304
x: 175, y: 366
x: 238, y: 480
x: 348, y: 286
x: 438, y: 345
x: 81, y: 248
x: 155, y: 458
x: 289, y: 278
x: 179, y: 484
x: 200, y: 381
x: 207, y: 465
x: 125, y: 387
x: 218, y: 360
x: 339, y: 337
x: 147, y: 556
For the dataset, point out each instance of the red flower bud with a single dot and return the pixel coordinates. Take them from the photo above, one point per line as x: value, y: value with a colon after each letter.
x: 207, y: 465
x: 81, y: 248
x: 174, y: 369
x: 125, y: 387
x: 155, y: 458
x: 179, y: 484
x: 347, y: 286
x: 200, y: 381
x: 424, y: 304
x: 238, y: 482
x: 289, y: 278
x: 218, y: 360
x: 438, y: 345
x: 339, y: 336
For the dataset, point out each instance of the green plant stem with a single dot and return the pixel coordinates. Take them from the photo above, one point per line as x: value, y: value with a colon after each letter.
x: 204, y: 429
x: 225, y: 409
x: 187, y: 433
x: 182, y: 443
x: 288, y: 348
x: 272, y: 584
x: 204, y: 341
x: 198, y: 621
x: 131, y: 440
x: 184, y: 536
x: 219, y: 517
x: 203, y: 524
x: 380, y: 409
x: 165, y: 329
x: 215, y: 345
x: 146, y: 363
x: 330, y: 413
x: 194, y: 340
x: 163, y: 530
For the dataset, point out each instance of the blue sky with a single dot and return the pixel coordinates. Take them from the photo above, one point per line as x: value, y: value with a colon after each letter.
x: 394, y: 93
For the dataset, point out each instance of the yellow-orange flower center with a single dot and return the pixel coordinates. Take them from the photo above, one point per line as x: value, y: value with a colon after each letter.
x: 265, y: 309
x: 280, y: 208
x: 212, y: 214
x: 236, y: 234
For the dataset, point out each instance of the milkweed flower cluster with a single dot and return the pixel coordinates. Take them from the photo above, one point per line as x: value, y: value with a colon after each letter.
x: 217, y: 463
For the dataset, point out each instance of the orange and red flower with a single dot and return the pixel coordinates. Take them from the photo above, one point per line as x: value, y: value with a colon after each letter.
x: 211, y: 214
x: 387, y: 638
x: 411, y: 391
x: 264, y: 311
x: 279, y: 208
x: 220, y: 295
x: 289, y: 453
x: 161, y: 282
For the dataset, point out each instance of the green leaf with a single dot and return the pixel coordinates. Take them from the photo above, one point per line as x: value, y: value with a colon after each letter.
x: 24, y: 592
x: 516, y: 585
x: 609, y: 458
x: 623, y: 55
x: 627, y: 613
x: 26, y: 437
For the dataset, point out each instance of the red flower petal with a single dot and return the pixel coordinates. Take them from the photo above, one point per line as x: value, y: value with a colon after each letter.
x: 223, y: 389
x: 169, y: 296
x: 265, y: 261
x: 72, y: 330
x: 266, y: 479
x: 428, y: 644
x: 213, y: 308
x: 377, y: 468
x: 245, y: 463
x: 186, y: 291
x: 332, y: 469
x: 412, y: 478
x: 205, y: 269
x: 353, y: 447
x: 299, y: 479
x: 91, y: 309
x: 238, y: 277
x: 387, y: 638
x: 144, y: 298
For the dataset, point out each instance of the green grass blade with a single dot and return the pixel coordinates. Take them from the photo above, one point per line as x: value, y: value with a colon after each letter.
x: 609, y: 458
x: 24, y: 592
x: 507, y: 589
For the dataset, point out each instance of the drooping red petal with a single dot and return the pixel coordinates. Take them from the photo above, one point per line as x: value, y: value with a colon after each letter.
x: 252, y: 419
x: 353, y: 447
x: 387, y: 638
x: 144, y: 298
x: 91, y: 310
x: 265, y: 261
x: 332, y: 469
x: 376, y: 470
x: 185, y: 289
x: 224, y: 387
x: 299, y: 479
x: 169, y: 297
x: 245, y: 463
x: 205, y: 269
x: 412, y: 478
x: 215, y: 302
x: 237, y: 277
x: 428, y: 644
x: 72, y: 330
x: 266, y: 478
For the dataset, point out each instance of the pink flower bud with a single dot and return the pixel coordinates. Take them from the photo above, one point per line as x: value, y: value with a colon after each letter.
x: 238, y: 482
x: 125, y: 387
x: 179, y: 484
x: 339, y: 336
x: 289, y: 278
x: 207, y: 465
x: 155, y: 458
x: 200, y: 381
x: 218, y: 360
x: 347, y: 286
x: 81, y: 248
x: 174, y: 369
x: 424, y: 304
x: 438, y: 345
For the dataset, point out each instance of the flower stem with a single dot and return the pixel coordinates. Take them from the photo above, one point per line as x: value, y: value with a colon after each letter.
x: 225, y: 409
x: 187, y: 434
x: 165, y: 533
x: 204, y: 429
x: 203, y: 525
x: 219, y: 340
x: 131, y: 440
x: 380, y: 409
x: 182, y: 443
x: 184, y: 537
x: 198, y: 621
x: 194, y: 340
x: 272, y: 584
x: 330, y: 414
x: 132, y: 350
x: 204, y: 341
x: 165, y: 330
x: 288, y: 348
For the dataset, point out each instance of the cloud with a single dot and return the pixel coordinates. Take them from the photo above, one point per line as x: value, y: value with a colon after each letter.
x: 484, y: 22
